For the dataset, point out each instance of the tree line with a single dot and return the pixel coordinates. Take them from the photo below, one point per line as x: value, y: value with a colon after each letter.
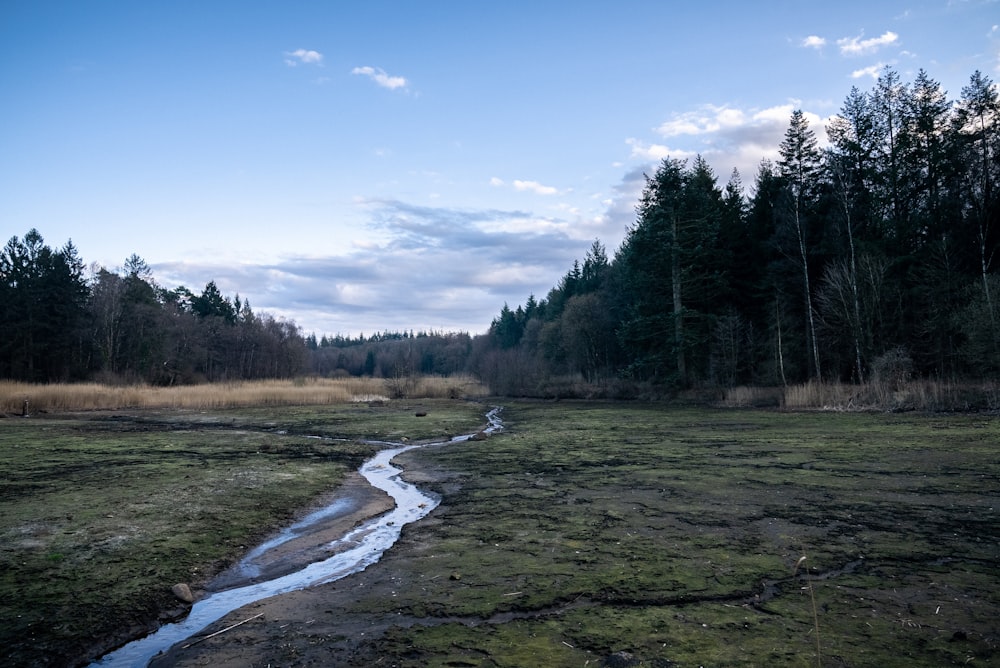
x: 875, y: 255
x: 63, y: 321
x: 59, y: 324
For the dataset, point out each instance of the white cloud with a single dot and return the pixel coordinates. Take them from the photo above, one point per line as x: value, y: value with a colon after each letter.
x: 814, y: 42
x: 496, y: 182
x: 705, y: 120
x: 856, y: 46
x: 870, y: 71
x: 726, y: 137
x: 303, y: 57
x: 379, y: 76
x: 535, y: 187
x: 654, y: 152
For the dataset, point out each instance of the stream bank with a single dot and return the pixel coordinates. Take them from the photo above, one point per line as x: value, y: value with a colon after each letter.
x: 303, y: 555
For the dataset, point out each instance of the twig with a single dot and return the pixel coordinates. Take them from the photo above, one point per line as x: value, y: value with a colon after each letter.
x: 228, y: 628
x: 812, y: 596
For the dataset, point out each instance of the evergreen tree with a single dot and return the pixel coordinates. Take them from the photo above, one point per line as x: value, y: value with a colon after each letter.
x: 41, y: 316
x: 800, y: 166
x: 674, y: 270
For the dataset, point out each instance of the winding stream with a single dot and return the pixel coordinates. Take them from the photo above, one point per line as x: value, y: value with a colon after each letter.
x: 355, y: 551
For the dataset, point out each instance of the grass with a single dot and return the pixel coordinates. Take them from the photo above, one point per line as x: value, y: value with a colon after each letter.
x: 102, y: 512
x: 585, y: 534
x: 587, y: 530
x: 915, y: 395
x: 297, y: 392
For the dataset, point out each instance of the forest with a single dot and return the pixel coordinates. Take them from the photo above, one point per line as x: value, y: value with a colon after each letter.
x: 873, y: 255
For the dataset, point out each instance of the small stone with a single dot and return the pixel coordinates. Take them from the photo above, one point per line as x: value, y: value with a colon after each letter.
x: 620, y: 659
x: 183, y: 592
x: 456, y: 576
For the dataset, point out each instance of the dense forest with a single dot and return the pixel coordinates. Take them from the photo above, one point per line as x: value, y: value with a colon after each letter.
x: 875, y: 255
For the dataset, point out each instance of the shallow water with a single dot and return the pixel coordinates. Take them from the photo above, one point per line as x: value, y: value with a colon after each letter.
x: 354, y: 551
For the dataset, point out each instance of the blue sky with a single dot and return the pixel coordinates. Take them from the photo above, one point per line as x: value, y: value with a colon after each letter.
x: 358, y: 167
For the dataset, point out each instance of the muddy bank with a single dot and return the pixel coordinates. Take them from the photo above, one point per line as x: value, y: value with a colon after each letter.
x: 318, y: 548
x: 316, y: 538
x: 317, y: 626
x: 310, y: 539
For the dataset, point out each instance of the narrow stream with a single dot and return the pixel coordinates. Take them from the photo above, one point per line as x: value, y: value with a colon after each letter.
x: 365, y: 545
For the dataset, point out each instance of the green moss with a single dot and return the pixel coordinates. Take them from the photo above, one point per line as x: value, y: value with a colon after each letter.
x: 100, y: 514
x: 673, y: 535
x: 581, y: 531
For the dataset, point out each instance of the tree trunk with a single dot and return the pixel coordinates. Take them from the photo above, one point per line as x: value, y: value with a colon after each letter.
x: 808, y: 290
x: 675, y: 279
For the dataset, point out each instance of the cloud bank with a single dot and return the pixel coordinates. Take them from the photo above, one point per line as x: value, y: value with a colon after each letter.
x: 440, y: 269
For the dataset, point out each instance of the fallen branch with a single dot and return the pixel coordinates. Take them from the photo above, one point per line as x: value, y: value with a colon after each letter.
x: 228, y: 628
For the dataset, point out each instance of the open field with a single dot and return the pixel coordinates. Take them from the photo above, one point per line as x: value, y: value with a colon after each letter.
x: 585, y: 534
x: 629, y: 535
x: 102, y: 512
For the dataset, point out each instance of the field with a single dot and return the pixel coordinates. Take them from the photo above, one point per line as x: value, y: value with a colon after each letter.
x: 102, y: 512
x: 585, y: 534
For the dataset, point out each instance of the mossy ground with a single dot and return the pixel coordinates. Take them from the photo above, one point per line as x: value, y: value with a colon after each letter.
x: 101, y: 513
x: 585, y: 534
x: 588, y: 530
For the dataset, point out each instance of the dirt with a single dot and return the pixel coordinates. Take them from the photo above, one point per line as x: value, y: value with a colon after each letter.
x: 362, y: 503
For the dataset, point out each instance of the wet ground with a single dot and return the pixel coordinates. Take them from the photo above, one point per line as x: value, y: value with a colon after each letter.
x: 101, y: 513
x: 633, y: 535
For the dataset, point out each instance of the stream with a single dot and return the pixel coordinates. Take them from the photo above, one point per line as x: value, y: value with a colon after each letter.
x: 353, y: 552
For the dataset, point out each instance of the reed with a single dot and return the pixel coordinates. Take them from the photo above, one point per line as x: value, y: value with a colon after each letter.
x: 819, y: 395
x: 745, y: 396
x: 299, y: 391
x: 812, y: 597
x: 925, y: 395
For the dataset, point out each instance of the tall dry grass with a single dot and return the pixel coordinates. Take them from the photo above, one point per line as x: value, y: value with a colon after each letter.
x: 300, y: 391
x: 912, y: 395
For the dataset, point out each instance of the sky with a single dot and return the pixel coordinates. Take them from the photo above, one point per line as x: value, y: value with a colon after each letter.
x: 393, y: 166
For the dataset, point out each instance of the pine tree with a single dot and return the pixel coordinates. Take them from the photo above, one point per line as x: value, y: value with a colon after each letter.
x: 800, y: 166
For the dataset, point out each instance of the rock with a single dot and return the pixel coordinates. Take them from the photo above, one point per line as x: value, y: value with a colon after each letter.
x: 183, y: 592
x: 620, y: 660
x: 420, y: 414
x: 479, y: 436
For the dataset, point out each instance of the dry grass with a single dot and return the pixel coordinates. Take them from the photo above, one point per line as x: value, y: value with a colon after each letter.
x: 746, y: 396
x: 913, y: 395
x: 819, y: 395
x: 297, y: 392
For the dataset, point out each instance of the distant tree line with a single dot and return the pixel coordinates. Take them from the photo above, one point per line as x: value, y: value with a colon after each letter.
x: 390, y: 354
x: 876, y: 255
x: 60, y: 321
x: 58, y: 324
